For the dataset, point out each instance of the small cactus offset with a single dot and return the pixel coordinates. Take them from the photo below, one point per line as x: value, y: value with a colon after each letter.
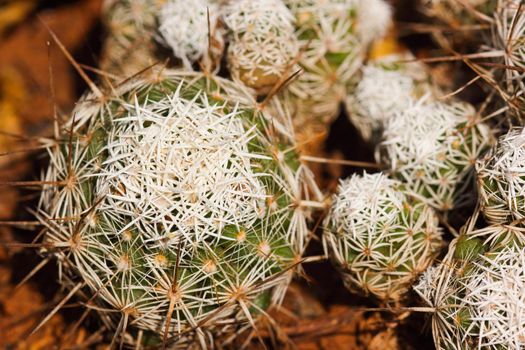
x: 476, y: 292
x: 129, y: 45
x: 501, y: 184
x: 379, y: 236
x: 176, y: 208
x: 262, y: 44
x: 432, y: 147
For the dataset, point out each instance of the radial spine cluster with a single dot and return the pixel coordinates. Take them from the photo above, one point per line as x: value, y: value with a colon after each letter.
x: 477, y: 291
x: 188, y: 32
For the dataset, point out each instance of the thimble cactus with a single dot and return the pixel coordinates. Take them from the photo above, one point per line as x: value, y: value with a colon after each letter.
x: 262, y: 44
x: 175, y: 206
x: 432, y: 147
x: 379, y: 236
x: 501, y: 179
x: 387, y: 85
x: 476, y: 293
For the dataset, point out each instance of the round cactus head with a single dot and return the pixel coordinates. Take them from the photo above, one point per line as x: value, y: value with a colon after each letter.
x: 477, y: 291
x: 379, y: 236
x: 501, y: 179
x: 176, y: 208
x: 262, y: 44
x: 432, y: 147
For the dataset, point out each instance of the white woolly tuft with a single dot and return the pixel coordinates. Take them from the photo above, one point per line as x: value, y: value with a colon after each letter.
x: 501, y: 179
x: 183, y: 26
x: 374, y: 19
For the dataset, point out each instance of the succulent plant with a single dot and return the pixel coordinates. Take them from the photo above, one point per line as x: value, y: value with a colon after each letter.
x: 476, y: 292
x: 129, y: 45
x: 176, y: 207
x: 432, y: 147
x: 387, y: 85
x: 379, y: 236
x: 262, y: 43
x: 501, y: 179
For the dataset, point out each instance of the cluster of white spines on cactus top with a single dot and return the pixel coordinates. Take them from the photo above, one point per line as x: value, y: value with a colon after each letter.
x: 378, y: 237
x: 432, y: 146
x: 263, y: 44
x: 170, y: 200
x: 184, y: 167
x: 187, y: 27
x: 501, y: 179
x: 379, y: 94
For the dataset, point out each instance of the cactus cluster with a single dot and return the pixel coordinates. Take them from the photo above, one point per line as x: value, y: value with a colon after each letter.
x: 175, y: 206
x: 379, y: 236
x: 177, y: 203
x: 476, y: 291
